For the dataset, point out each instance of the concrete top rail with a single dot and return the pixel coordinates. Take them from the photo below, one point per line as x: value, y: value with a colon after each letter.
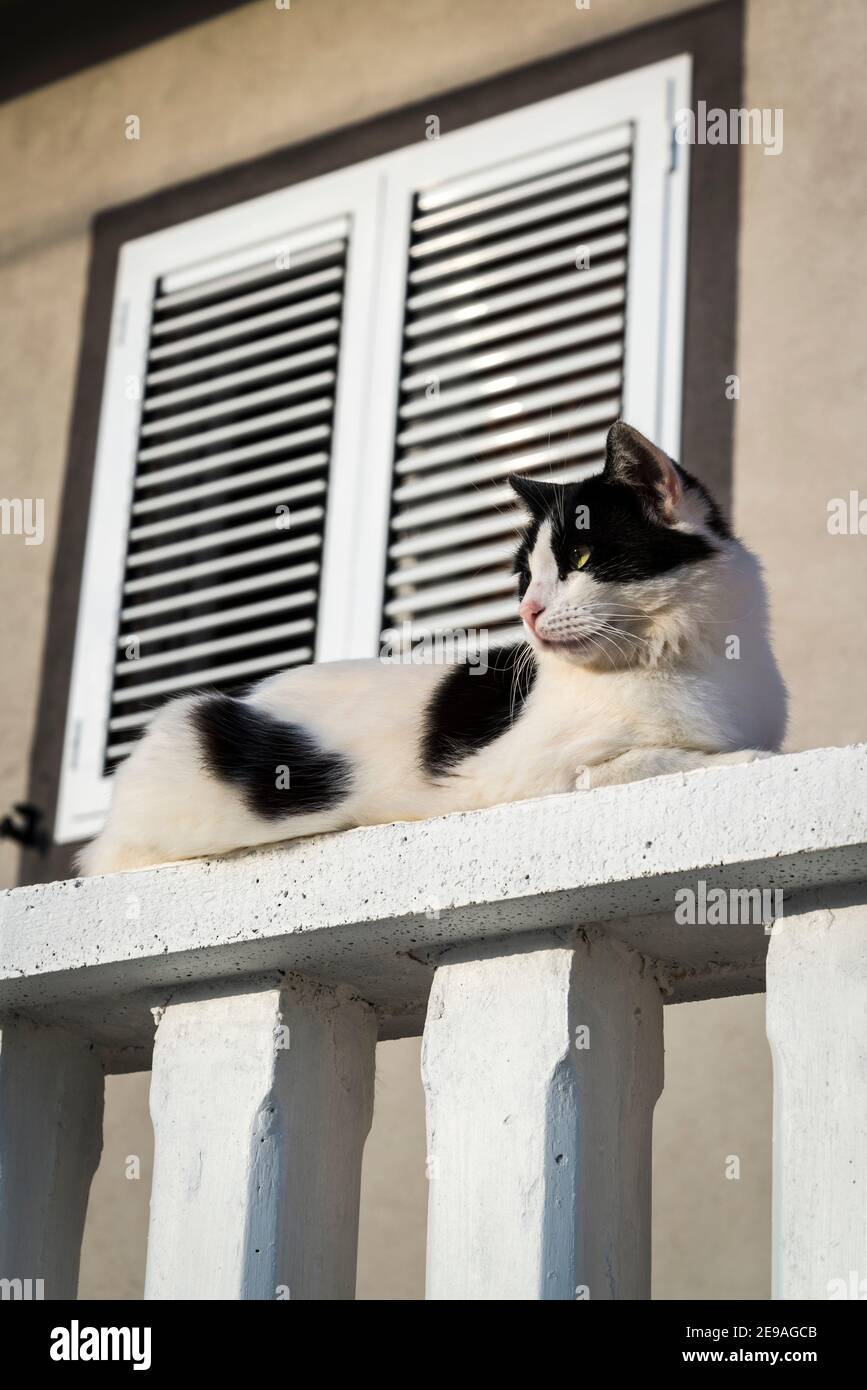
x: 371, y: 909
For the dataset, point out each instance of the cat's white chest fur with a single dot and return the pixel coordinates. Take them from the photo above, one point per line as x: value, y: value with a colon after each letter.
x: 575, y: 719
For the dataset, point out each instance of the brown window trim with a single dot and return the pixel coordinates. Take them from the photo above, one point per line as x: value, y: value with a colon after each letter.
x: 712, y: 35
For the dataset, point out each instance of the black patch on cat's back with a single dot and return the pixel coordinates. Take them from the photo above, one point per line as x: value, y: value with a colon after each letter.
x: 253, y: 751
x: 472, y: 706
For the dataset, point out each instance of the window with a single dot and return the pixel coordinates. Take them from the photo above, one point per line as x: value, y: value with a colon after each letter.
x: 311, y: 400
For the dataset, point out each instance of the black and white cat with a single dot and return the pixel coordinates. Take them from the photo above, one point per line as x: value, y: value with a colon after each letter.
x: 632, y: 590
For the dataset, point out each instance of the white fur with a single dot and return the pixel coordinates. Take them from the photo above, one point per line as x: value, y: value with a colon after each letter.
x: 652, y: 690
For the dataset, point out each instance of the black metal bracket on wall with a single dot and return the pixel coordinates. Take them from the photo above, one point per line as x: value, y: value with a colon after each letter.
x: 29, y: 833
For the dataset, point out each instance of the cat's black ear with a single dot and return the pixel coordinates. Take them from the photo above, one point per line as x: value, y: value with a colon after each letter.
x: 631, y: 459
x: 538, y: 496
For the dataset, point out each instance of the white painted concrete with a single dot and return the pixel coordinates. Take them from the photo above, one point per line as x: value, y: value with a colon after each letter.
x: 261, y: 1103
x: 538, y: 918
x: 542, y: 1066
x: 817, y: 1026
x: 51, y: 1092
x: 370, y: 908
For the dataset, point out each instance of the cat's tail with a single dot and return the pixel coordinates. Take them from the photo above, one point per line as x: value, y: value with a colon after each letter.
x: 109, y: 854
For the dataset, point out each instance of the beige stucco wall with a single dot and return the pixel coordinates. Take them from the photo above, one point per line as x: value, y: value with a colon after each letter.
x: 802, y: 353
x: 260, y: 77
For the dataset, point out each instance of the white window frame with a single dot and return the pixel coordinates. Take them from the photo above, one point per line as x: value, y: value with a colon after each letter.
x: 376, y: 196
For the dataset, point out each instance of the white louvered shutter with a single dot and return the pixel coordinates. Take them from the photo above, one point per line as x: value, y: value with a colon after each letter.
x: 543, y: 257
x: 225, y: 543
x: 219, y: 445
x: 512, y: 361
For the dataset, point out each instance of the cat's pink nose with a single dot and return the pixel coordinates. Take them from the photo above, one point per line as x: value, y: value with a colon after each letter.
x: 529, y: 611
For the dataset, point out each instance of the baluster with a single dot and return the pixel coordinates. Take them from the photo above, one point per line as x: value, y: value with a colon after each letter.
x: 261, y: 1103
x: 541, y: 1069
x: 51, y: 1099
x: 817, y: 1027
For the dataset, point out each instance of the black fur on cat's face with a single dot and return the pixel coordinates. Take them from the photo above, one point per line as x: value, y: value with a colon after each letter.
x: 600, y: 557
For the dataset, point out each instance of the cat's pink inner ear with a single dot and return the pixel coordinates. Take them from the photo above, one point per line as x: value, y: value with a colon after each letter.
x: 669, y: 484
x: 634, y: 459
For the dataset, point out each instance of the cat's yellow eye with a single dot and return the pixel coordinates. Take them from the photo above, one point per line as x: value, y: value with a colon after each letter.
x: 580, y: 556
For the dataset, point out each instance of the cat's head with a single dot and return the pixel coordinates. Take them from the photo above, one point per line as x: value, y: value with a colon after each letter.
x: 621, y: 568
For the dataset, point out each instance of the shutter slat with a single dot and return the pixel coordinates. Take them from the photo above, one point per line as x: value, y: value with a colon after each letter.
x: 221, y: 385
x: 266, y: 554
x: 543, y: 211
x: 472, y: 445
x: 574, y: 231
x: 303, y: 598
x: 528, y: 404
x: 214, y: 362
x: 281, y: 444
x: 528, y: 268
x: 514, y: 172
x: 501, y: 523
x: 322, y: 405
x: 557, y: 287
x: 284, y: 497
x: 233, y: 671
x: 222, y: 593
x: 290, y: 468
x: 501, y: 635
x: 476, y: 500
x: 457, y: 563
x: 570, y: 364
x: 294, y: 247
x: 461, y: 504
x: 235, y: 404
x: 510, y: 354
x: 262, y: 270
x: 116, y: 751
x: 181, y: 655
x: 470, y: 475
x: 450, y: 593
x: 285, y: 289
x: 579, y: 307
x: 220, y: 538
x: 121, y: 722
x: 324, y: 304
x: 473, y: 616
x: 520, y: 193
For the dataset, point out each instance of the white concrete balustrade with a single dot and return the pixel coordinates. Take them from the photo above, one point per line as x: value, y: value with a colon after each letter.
x: 534, y: 945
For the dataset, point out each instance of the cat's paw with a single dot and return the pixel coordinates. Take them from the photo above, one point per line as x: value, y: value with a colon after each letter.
x: 583, y: 779
x: 742, y: 755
